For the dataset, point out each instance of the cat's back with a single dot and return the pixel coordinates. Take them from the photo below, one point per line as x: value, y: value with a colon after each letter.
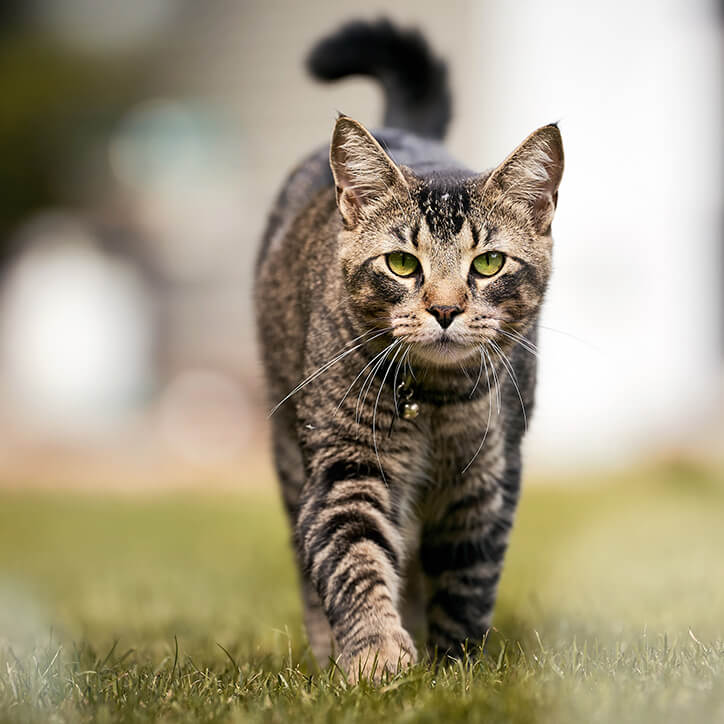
x: 307, y: 187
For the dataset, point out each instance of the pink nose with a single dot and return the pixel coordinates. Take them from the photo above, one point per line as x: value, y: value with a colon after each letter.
x: 444, y: 313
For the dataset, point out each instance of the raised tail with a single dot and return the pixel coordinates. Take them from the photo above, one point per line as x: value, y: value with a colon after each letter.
x: 417, y: 96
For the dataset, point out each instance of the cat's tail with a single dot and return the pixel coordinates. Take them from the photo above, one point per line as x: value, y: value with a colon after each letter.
x: 417, y: 95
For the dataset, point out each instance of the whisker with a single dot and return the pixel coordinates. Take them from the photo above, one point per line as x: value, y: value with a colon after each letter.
x: 464, y: 371
x: 490, y: 414
x: 369, y: 380
x: 522, y: 341
x: 496, y: 383
x: 354, y: 381
x: 394, y: 379
x: 510, y: 329
x: 513, y: 378
x: 408, y: 365
x: 480, y: 372
x: 374, y: 412
x: 326, y: 366
x: 572, y: 336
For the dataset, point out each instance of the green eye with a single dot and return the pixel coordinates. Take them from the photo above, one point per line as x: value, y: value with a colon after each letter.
x: 402, y: 263
x: 489, y: 264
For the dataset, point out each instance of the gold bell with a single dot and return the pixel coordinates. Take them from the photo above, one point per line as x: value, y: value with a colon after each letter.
x: 410, y: 410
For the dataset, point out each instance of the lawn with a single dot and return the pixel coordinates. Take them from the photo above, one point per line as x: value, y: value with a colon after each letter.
x: 184, y: 607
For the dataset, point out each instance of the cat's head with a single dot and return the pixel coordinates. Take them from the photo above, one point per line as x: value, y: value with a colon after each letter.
x: 449, y: 260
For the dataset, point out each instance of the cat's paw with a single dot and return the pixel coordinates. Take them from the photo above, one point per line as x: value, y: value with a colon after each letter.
x: 390, y: 654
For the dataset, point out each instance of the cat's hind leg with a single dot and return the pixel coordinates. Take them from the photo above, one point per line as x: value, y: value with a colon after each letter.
x: 412, y: 604
x: 462, y: 557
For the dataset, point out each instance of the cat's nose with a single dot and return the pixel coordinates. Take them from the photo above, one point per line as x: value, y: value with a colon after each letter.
x: 444, y: 313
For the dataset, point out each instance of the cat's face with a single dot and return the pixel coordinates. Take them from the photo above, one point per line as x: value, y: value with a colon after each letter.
x: 449, y: 262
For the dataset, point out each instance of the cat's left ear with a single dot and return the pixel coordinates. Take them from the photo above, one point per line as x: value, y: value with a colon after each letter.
x: 363, y: 172
x: 531, y: 175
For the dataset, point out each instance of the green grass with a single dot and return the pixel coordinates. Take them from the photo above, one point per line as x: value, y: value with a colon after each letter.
x: 185, y: 608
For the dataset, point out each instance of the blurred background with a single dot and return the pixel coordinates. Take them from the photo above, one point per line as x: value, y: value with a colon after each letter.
x: 141, y: 145
x: 143, y: 142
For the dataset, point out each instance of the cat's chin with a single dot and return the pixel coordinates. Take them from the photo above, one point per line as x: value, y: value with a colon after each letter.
x: 444, y: 353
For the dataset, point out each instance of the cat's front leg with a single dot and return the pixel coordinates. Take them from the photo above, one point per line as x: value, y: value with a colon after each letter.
x: 462, y: 558
x: 353, y: 553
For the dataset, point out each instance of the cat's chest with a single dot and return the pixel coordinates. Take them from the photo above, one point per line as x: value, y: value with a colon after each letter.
x: 457, y: 441
x: 463, y: 431
x: 463, y: 455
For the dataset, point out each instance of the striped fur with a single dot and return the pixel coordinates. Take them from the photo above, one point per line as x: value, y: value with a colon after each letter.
x: 402, y: 524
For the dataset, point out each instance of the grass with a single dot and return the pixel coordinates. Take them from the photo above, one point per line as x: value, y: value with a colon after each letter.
x: 185, y: 608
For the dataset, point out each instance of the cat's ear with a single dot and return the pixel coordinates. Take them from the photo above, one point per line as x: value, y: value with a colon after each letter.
x: 531, y: 175
x: 363, y: 172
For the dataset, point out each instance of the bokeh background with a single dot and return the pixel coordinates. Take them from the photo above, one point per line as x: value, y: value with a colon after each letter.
x: 141, y: 145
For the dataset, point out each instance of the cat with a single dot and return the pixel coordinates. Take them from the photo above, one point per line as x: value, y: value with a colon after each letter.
x: 397, y: 296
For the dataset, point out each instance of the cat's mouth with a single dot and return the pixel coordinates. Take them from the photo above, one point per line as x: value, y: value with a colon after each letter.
x: 444, y: 350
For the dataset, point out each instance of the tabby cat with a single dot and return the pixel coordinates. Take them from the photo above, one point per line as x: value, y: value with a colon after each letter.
x: 397, y: 300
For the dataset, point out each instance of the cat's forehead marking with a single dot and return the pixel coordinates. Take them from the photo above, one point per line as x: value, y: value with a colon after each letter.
x: 444, y: 207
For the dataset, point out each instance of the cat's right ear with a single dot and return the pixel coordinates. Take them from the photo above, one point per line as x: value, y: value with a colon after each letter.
x: 363, y: 172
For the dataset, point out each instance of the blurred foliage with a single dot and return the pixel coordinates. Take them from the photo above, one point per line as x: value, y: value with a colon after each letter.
x: 58, y: 108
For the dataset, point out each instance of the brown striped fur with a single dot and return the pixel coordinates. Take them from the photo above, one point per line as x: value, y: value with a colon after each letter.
x: 402, y: 524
